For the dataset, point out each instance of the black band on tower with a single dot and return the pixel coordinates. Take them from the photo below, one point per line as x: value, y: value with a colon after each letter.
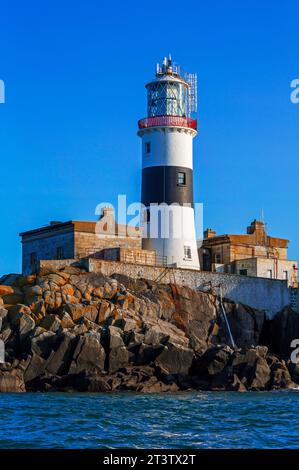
x: 168, y: 184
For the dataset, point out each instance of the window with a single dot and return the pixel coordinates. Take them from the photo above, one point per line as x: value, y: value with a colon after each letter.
x: 285, y: 275
x: 269, y: 273
x: 59, y: 252
x: 181, y: 178
x: 33, y: 258
x: 218, y: 258
x: 243, y: 272
x: 147, y: 147
x: 187, y: 252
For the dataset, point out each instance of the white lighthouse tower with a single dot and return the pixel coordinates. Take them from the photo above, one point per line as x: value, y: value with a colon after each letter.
x: 167, y: 167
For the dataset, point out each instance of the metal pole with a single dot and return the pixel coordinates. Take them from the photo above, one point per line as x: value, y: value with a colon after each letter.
x: 226, y: 320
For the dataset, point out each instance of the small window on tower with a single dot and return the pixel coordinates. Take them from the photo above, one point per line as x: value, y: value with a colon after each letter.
x: 187, y: 252
x: 181, y: 178
x: 147, y: 147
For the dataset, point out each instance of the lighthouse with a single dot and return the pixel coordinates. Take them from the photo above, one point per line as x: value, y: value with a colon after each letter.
x: 167, y: 167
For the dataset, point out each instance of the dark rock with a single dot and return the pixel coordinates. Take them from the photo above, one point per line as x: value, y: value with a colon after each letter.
x: 236, y: 385
x: 280, y: 331
x: 91, y: 382
x: 212, y: 362
x: 153, y: 385
x: 260, y: 377
x: 50, y: 322
x: 118, y: 358
x: 89, y: 354
x: 146, y: 354
x: 43, y: 342
x: 59, y: 360
x: 246, y: 325
x: 174, y: 359
x: 35, y: 368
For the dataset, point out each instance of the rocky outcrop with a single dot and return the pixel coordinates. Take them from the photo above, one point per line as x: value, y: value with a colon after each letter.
x: 280, y: 331
x: 71, y: 330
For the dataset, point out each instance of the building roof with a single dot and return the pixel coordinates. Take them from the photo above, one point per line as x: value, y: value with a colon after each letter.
x: 80, y: 226
x: 256, y: 235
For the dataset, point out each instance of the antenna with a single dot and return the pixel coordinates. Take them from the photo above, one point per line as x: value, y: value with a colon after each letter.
x: 191, y: 78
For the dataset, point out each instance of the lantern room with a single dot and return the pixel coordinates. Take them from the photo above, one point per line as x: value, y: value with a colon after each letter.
x: 168, y: 94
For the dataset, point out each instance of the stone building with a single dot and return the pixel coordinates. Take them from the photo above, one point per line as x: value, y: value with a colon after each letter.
x: 78, y: 239
x: 252, y: 254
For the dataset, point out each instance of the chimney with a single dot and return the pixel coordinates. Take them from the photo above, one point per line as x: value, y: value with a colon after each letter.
x: 107, y: 212
x: 256, y: 226
x: 209, y: 233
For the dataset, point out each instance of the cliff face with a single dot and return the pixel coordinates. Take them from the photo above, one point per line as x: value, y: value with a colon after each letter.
x: 72, y: 330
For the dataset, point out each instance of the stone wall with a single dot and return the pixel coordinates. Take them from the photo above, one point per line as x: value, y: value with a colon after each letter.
x: 87, y: 242
x: 130, y: 255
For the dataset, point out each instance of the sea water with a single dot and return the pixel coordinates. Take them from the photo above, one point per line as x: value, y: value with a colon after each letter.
x: 183, y: 420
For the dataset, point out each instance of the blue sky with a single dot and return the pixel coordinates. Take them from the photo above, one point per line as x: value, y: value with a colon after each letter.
x: 75, y: 74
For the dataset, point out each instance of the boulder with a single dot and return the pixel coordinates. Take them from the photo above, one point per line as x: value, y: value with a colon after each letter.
x: 153, y: 385
x: 59, y: 361
x: 26, y: 326
x: 43, y: 342
x: 32, y: 294
x: 12, y: 381
x: 154, y: 335
x: 19, y: 317
x: 14, y: 296
x: 59, y: 279
x: 146, y: 354
x: 16, y: 312
x: 195, y: 314
x: 50, y: 322
x: 105, y: 309
x: 235, y: 385
x: 66, y: 321
x: 35, y: 368
x: 88, y: 354
x: 75, y: 310
x: 280, y: 377
x: 91, y: 382
x: 118, y: 358
x: 261, y: 375
x: 115, y: 337
x: 91, y: 313
x: 212, y: 362
x: 6, y: 290
x: 26, y: 280
x: 246, y: 325
x: 174, y: 359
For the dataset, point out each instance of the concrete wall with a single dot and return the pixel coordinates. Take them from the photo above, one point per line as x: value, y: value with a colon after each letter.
x: 260, y: 267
